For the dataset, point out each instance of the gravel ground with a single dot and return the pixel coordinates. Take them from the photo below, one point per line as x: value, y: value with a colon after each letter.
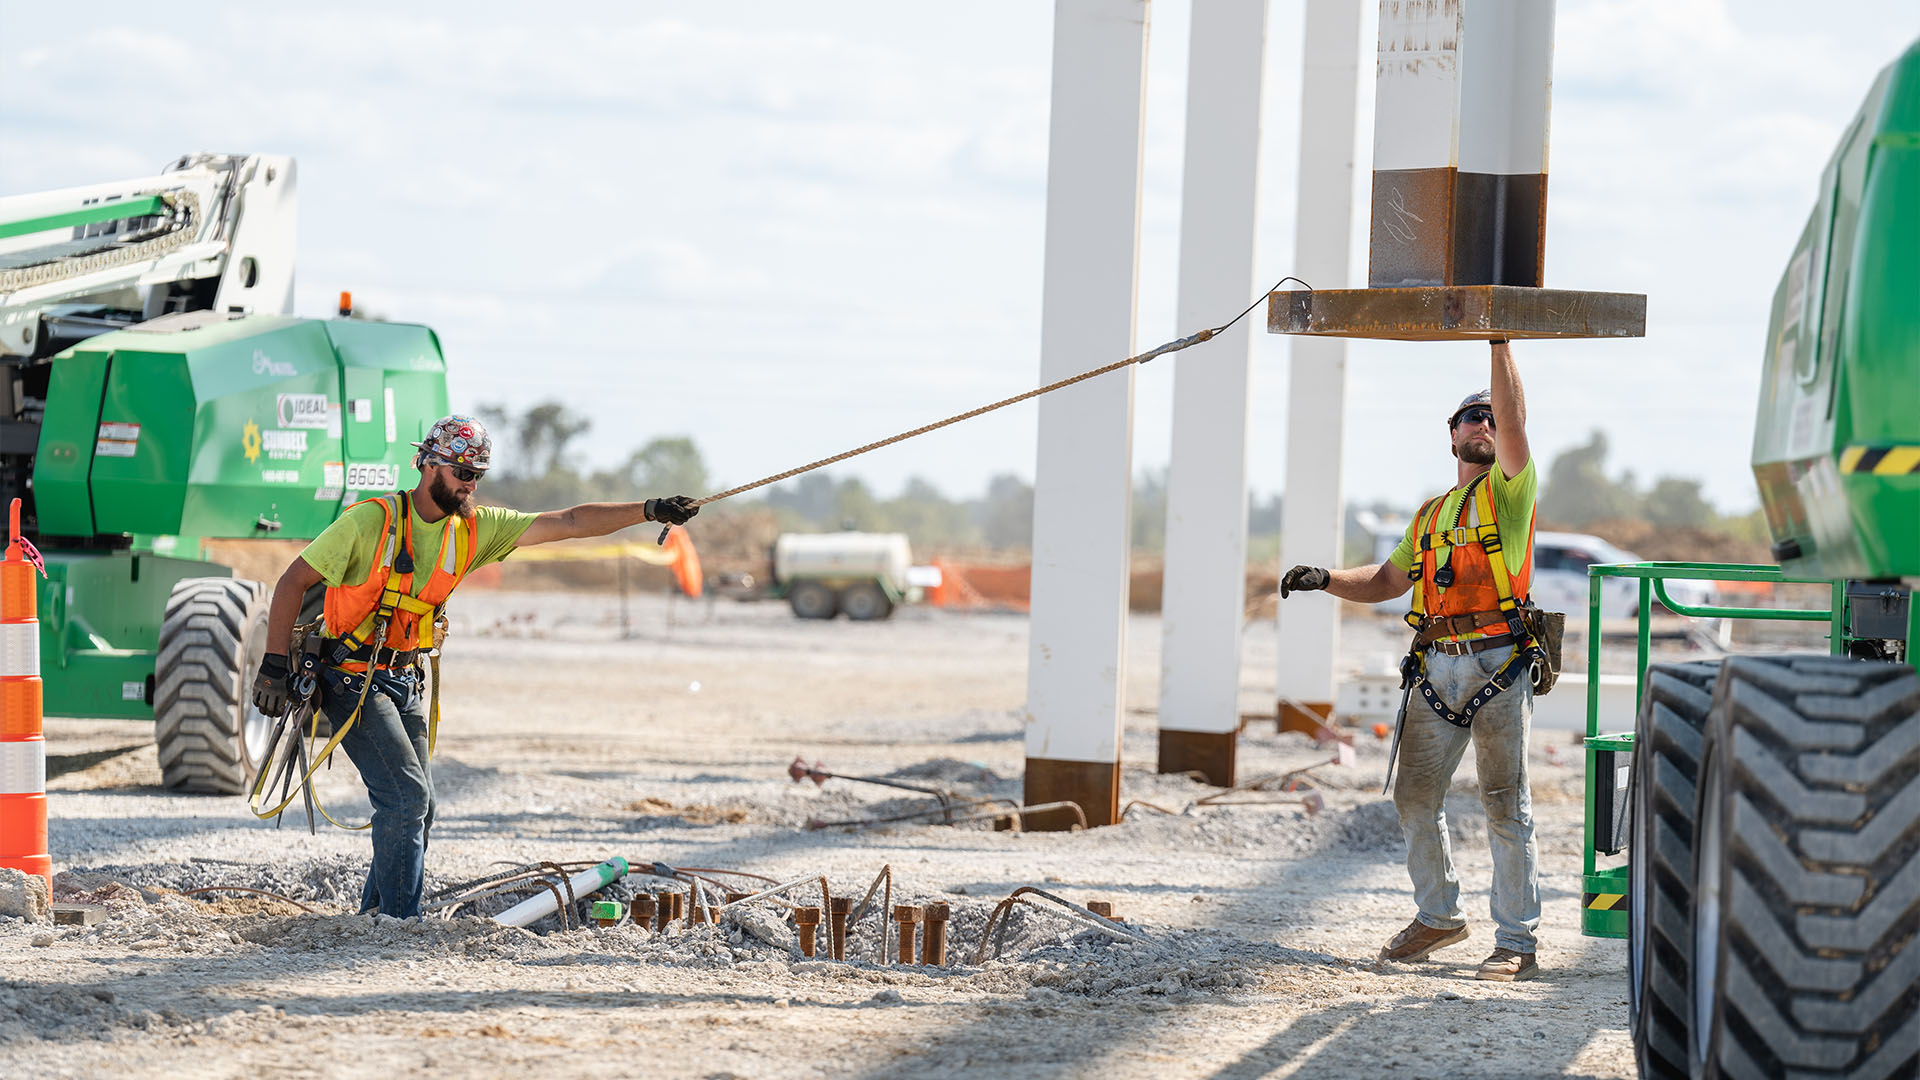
x: 569, y: 740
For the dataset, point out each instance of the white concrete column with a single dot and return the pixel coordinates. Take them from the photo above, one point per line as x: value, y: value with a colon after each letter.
x: 1311, y: 509
x: 1083, y: 473
x: 1204, y: 598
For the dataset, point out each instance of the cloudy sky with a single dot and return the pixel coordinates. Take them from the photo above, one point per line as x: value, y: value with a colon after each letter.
x: 786, y: 229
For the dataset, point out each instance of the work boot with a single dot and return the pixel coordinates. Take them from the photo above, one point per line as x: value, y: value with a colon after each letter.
x: 1505, y: 965
x: 1419, y: 941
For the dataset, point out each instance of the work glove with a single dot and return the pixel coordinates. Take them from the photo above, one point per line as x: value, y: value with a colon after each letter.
x: 1303, y: 579
x: 677, y: 510
x: 273, y: 687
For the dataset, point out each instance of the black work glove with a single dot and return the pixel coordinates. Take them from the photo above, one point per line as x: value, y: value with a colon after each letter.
x: 273, y: 687
x: 677, y: 510
x: 1303, y: 579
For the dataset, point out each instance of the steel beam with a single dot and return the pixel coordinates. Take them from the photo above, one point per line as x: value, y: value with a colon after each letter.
x: 1083, y: 482
x: 1204, y: 596
x: 1457, y: 313
x: 1312, y: 514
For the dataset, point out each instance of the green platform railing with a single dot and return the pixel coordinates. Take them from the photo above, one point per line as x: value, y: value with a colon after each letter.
x: 1603, y: 909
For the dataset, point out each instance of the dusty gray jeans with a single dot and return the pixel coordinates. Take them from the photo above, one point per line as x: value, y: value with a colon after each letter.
x: 1430, y: 751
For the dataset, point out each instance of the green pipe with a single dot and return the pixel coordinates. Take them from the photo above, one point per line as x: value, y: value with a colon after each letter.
x: 1837, y: 632
x: 145, y: 206
x: 1710, y: 611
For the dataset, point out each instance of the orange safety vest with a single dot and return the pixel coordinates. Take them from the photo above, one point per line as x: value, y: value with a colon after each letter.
x: 1480, y: 579
x: 353, y: 612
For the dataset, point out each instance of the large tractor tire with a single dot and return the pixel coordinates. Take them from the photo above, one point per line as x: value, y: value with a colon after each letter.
x: 865, y: 602
x: 813, y: 600
x: 212, y: 639
x: 1807, y: 889
x: 1666, y: 768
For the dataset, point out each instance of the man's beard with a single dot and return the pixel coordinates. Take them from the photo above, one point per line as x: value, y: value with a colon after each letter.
x: 449, y: 502
x: 1472, y: 452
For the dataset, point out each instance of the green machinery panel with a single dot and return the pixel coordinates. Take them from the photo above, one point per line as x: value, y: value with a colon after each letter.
x: 1836, y: 448
x: 254, y: 427
x: 100, y: 629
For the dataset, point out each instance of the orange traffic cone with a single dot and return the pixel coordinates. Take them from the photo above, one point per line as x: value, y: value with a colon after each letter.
x: 23, y: 748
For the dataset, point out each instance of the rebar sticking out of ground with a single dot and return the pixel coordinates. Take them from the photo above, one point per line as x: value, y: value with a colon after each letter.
x: 644, y: 909
x: 807, y: 919
x: 933, y: 943
x: 837, y: 911
x: 906, y: 915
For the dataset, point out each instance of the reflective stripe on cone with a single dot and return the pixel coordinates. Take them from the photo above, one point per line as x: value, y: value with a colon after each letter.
x: 23, y: 770
x: 19, y: 648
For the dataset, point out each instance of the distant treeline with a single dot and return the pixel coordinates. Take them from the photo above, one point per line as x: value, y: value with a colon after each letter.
x: 536, y: 471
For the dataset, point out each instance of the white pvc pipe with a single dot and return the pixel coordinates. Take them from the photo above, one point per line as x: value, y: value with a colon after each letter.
x: 543, y: 903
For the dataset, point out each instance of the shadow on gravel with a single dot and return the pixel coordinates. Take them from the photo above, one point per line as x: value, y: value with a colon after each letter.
x: 61, y: 764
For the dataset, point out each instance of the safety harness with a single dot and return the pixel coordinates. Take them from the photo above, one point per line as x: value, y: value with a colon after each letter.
x: 1430, y: 544
x: 357, y: 653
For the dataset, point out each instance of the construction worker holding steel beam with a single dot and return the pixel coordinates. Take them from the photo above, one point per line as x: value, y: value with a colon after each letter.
x: 1470, y: 674
x: 389, y: 564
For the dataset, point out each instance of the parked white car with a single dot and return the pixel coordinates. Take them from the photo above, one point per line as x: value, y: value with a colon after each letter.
x: 1560, y: 562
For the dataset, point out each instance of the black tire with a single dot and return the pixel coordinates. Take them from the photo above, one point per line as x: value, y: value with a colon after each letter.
x: 812, y: 600
x: 212, y: 638
x: 1807, y: 891
x: 1666, y: 767
x: 865, y: 602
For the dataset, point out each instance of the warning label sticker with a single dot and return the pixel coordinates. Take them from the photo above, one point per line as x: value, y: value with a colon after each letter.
x: 117, y: 440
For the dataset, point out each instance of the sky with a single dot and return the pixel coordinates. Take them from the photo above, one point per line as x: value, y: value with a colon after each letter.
x: 788, y: 229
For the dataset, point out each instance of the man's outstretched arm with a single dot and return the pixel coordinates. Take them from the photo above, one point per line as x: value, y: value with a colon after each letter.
x: 599, y: 519
x: 1360, y: 584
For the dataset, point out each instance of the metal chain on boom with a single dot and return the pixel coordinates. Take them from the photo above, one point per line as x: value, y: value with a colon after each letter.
x: 1170, y: 347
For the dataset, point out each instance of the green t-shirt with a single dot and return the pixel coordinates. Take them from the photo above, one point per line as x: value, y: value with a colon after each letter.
x: 1512, y: 511
x: 344, y: 551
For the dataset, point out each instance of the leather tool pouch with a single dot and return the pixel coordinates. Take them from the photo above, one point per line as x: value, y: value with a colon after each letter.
x: 1548, y: 629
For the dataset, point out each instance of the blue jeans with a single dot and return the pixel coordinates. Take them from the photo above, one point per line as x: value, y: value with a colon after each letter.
x: 389, y: 746
x: 1430, y: 751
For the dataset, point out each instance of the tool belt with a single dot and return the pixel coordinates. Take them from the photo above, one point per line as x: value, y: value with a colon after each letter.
x: 1436, y: 627
x: 1548, y: 629
x: 339, y: 654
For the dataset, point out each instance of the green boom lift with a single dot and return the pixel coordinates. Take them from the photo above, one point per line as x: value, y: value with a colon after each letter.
x: 1756, y: 837
x: 156, y: 395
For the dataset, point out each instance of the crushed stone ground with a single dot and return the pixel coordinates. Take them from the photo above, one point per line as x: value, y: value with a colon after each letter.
x: 569, y: 742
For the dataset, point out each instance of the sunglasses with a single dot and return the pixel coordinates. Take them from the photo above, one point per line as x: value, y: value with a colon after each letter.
x: 1479, y: 414
x: 464, y: 474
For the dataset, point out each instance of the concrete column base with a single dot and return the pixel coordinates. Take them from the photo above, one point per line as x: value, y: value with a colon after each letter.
x: 1313, y: 719
x: 1209, y: 753
x: 1095, y: 785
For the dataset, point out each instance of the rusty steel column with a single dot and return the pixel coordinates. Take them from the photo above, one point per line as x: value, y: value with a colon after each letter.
x: 1462, y: 98
x: 644, y: 908
x: 1457, y: 250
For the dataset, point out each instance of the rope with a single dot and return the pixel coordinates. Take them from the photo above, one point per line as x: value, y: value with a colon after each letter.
x: 1170, y: 347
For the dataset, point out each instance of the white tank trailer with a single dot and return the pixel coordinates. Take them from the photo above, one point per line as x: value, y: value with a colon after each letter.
x: 864, y: 575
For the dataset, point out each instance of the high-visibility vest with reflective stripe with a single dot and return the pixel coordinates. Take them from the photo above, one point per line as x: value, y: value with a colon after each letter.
x: 1481, y: 580
x: 351, y: 610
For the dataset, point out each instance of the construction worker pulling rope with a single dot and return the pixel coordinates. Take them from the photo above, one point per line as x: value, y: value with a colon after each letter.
x: 360, y: 665
x: 388, y: 565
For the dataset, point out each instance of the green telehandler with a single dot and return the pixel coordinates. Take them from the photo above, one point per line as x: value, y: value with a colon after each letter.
x: 1756, y: 837
x: 158, y: 394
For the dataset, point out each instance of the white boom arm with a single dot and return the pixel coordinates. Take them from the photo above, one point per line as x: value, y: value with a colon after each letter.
x: 141, y: 246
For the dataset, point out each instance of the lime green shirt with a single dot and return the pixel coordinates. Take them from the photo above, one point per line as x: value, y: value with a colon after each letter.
x: 1512, y: 511
x: 344, y: 551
